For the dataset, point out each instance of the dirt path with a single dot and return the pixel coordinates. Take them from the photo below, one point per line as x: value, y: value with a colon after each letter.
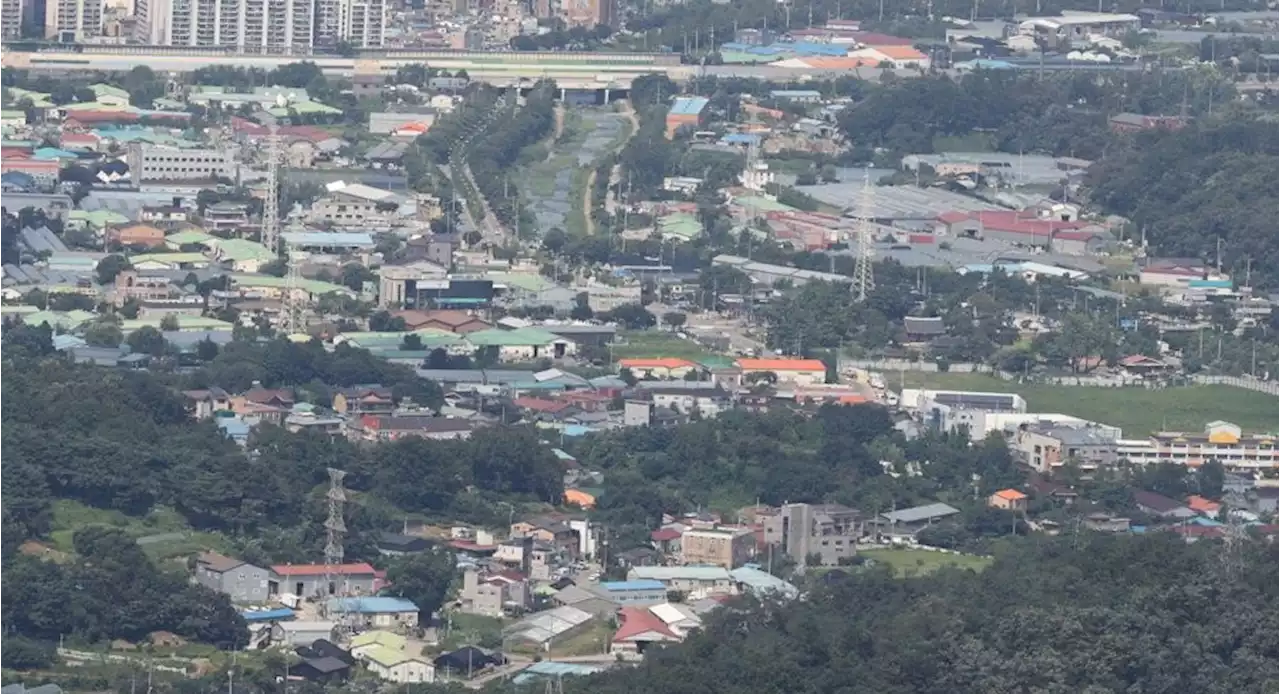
x: 588, y: 224
x: 559, y: 113
x: 631, y: 116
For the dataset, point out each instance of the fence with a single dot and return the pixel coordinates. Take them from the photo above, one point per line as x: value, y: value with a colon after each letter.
x: 1269, y: 387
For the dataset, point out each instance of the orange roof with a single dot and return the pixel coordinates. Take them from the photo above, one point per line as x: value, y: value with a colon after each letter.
x: 577, y: 497
x: 1202, y: 505
x: 900, y: 52
x: 852, y: 399
x: 662, y: 363
x: 833, y: 63
x: 782, y: 365
x: 1011, y: 495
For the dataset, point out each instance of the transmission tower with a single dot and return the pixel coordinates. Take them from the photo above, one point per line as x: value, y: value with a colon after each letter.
x: 863, y: 277
x: 293, y: 307
x: 335, y: 534
x: 271, y: 205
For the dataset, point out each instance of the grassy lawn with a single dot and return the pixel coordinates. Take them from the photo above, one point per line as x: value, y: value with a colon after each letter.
x: 1137, y: 411
x: 906, y: 562
x: 163, y: 533
x: 470, y: 629
x: 639, y: 344
x: 590, y: 642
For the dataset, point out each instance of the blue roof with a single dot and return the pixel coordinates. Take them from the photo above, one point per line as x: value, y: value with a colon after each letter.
x: 576, y: 430
x: 689, y: 105
x: 373, y: 605
x: 741, y: 139
x: 268, y: 615
x: 53, y: 153
x: 233, y: 427
x: 325, y: 238
x: 807, y: 48
x: 639, y: 584
x: 793, y: 93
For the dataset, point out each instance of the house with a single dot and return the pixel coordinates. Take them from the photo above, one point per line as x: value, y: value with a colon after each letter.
x: 308, y: 580
x: 1046, y: 447
x: 751, y: 579
x: 591, y: 599
x: 686, y: 111
x: 300, y: 632
x: 363, y: 642
x: 639, y: 627
x: 457, y: 322
x: 1203, y: 506
x: 705, y: 399
x: 1142, y: 365
x: 724, y: 547
x: 362, y: 400
x: 632, y: 592
x: 205, y: 403
x: 378, y: 612
x: 241, y: 581
x: 668, y: 367
x: 898, y: 57
x: 829, y: 532
x: 800, y: 372
x: 923, y: 329
x: 393, y: 427
x: 322, y: 662
x: 522, y: 344
x: 666, y: 540
x: 1008, y: 500
x: 693, y: 581
x: 910, y: 521
x: 136, y: 235
x: 1161, y: 506
x: 549, y: 530
x: 466, y: 662
x: 494, y: 595
x: 398, y: 665
x: 579, y: 498
x: 1042, y: 488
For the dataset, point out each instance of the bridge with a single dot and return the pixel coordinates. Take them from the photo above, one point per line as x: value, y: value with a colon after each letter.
x: 571, y: 70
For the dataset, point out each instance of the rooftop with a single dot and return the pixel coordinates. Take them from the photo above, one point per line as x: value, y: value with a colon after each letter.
x: 638, y: 584
x: 373, y: 605
x: 921, y: 513
x: 360, y: 569
x: 688, y: 105
x: 675, y: 573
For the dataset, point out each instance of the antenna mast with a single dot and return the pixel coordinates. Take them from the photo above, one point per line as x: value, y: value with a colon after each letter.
x: 335, y: 533
x: 863, y: 278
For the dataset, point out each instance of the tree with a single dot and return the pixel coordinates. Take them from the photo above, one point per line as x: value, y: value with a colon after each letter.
x: 103, y: 333
x: 384, y: 322
x: 632, y: 316
x: 355, y: 275
x: 581, y: 307
x: 275, y: 268
x: 147, y: 340
x: 170, y: 323
x: 424, y: 578
x: 206, y: 350
x: 674, y: 320
x: 111, y: 266
x: 411, y: 343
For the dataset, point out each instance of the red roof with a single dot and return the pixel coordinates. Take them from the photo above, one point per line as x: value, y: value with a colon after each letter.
x: 1014, y: 222
x: 361, y: 569
x: 88, y: 116
x: 637, y: 621
x: 664, y: 534
x: 1139, y: 360
x: 540, y: 405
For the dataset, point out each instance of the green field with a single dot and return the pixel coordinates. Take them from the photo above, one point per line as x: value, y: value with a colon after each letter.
x: 656, y: 343
x: 163, y: 533
x: 1137, y: 411
x: 907, y: 562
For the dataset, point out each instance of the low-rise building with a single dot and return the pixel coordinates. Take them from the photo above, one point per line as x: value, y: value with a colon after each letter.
x: 355, y: 204
x: 708, y: 401
x: 668, y: 367
x: 398, y: 666
x: 633, y: 592
x: 908, y: 522
x: 362, y: 400
x: 522, y: 344
x: 728, y: 548
x: 394, y: 427
x: 378, y: 612
x: 639, y: 628
x: 694, y: 582
x: 827, y: 532
x: 495, y: 594
x: 1220, y: 441
x: 308, y: 580
x: 1046, y: 448
x: 236, y: 578
x: 1008, y: 500
x: 801, y: 372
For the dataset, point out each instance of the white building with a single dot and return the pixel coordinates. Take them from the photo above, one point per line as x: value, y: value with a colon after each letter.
x: 1078, y: 27
x: 148, y: 162
x: 355, y: 204
x: 696, y: 582
x: 1221, y: 441
x: 71, y: 20
x: 275, y: 26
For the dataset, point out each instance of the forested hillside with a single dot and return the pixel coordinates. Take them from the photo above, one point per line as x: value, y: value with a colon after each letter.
x: 1091, y: 614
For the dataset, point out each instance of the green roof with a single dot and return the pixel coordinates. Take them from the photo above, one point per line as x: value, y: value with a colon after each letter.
x: 237, y: 250
x: 17, y: 310
x: 184, y: 323
x: 379, y: 638
x: 680, y: 224
x: 522, y: 280
x: 521, y: 337
x: 183, y: 238
x: 310, y: 286
x: 717, y: 362
x: 95, y: 106
x: 387, y: 657
x: 6, y: 114
x: 108, y: 90
x: 175, y: 258
x: 762, y: 203
x: 59, y: 319
x: 38, y: 99
x: 304, y: 107
x: 431, y: 339
x: 97, y: 218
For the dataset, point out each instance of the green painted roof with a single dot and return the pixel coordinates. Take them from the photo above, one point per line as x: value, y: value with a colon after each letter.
x: 380, y: 638
x: 304, y: 107
x: 18, y: 310
x: 387, y: 657
x: 717, y: 362
x: 762, y: 203
x: 108, y: 90
x: 189, y: 236
x: 95, y: 106
x: 240, y: 249
x: 431, y: 339
x: 522, y: 280
x: 521, y: 337
x: 58, y: 319
x: 310, y: 286
x: 39, y: 99
x: 97, y: 218
x: 680, y: 224
x: 184, y: 323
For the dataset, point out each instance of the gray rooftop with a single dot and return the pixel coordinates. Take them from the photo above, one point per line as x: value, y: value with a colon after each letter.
x: 1077, y: 436
x: 917, y: 514
x: 898, y: 202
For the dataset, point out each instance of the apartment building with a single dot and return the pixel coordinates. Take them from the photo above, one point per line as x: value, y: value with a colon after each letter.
x: 254, y: 26
x: 830, y: 531
x: 577, y: 13
x: 11, y: 13
x: 148, y: 162
x: 1221, y: 441
x: 365, y: 22
x: 71, y: 21
x: 729, y: 548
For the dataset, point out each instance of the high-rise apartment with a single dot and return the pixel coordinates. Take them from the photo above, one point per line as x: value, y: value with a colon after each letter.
x: 73, y: 20
x: 251, y: 26
x: 365, y: 22
x: 11, y: 18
